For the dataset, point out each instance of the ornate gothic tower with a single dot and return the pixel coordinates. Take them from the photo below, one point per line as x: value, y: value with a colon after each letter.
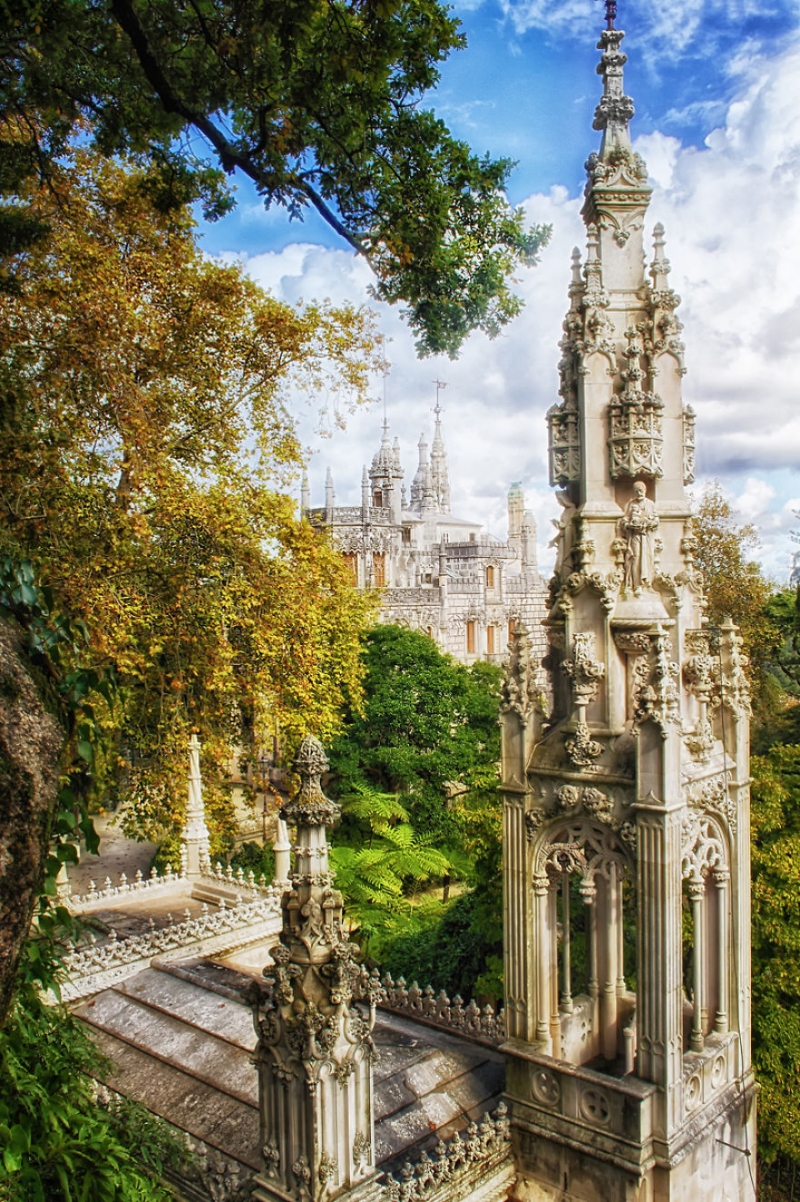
x: 627, y: 812
x: 315, y: 1052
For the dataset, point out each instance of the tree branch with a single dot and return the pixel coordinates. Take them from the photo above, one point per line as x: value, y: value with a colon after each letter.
x: 229, y: 155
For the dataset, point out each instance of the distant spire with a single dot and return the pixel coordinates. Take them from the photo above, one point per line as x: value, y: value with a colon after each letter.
x: 305, y: 494
x: 440, y: 480
x: 418, y: 483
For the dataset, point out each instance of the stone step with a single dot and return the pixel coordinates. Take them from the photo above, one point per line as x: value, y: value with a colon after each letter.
x: 192, y: 1049
x: 175, y: 993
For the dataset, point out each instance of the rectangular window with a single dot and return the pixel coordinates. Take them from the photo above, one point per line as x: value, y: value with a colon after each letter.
x: 490, y: 640
x: 351, y: 560
x: 378, y: 570
x: 511, y: 628
x: 490, y: 577
x: 470, y: 638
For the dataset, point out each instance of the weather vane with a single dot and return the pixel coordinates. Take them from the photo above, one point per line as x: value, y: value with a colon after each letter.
x: 611, y: 13
x: 440, y: 384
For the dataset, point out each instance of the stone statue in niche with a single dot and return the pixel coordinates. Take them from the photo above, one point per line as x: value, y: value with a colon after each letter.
x: 638, y: 528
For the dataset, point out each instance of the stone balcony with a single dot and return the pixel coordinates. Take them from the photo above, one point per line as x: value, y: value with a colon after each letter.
x: 578, y: 1106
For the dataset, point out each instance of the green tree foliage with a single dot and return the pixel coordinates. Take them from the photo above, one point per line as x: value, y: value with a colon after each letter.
x: 427, y: 730
x: 428, y: 737
x: 735, y: 586
x: 56, y: 1141
x: 776, y: 948
x: 380, y: 861
x: 317, y: 103
x: 144, y: 450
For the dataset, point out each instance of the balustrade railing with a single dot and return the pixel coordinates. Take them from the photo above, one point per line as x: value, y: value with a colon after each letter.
x: 437, y: 1009
x: 481, y: 1143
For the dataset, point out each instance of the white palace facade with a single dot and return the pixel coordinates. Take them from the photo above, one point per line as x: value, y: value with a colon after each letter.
x: 438, y: 573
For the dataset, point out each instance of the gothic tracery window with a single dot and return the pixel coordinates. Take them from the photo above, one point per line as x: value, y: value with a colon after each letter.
x: 582, y: 894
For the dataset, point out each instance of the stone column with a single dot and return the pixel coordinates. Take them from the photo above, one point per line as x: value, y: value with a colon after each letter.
x: 697, y: 891
x: 660, y: 977
x: 282, y: 850
x: 566, y: 945
x: 608, y: 997
x: 721, y: 881
x: 195, y: 849
x: 315, y: 1052
x: 541, y: 892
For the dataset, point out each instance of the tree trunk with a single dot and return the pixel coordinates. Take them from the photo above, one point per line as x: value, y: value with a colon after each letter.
x: 31, y: 741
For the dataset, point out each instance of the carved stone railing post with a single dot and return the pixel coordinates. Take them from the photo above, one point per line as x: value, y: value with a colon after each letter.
x: 315, y: 1051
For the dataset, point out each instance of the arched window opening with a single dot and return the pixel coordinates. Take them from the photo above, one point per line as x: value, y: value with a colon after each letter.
x: 706, y: 925
x: 585, y: 948
x: 490, y: 576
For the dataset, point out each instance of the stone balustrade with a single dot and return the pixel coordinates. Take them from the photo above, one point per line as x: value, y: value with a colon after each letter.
x: 98, y: 966
x: 436, y: 1009
x: 485, y: 1144
x: 158, y: 883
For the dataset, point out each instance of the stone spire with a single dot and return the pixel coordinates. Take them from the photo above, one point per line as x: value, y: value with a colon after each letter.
x: 418, y: 483
x: 315, y: 1051
x: 516, y: 510
x: 330, y: 496
x: 305, y: 495
x: 615, y: 109
x: 440, y: 480
x: 195, y: 848
x: 629, y: 806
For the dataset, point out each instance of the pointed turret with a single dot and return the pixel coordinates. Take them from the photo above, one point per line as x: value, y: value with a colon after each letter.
x: 385, y: 475
x: 628, y: 809
x: 305, y: 495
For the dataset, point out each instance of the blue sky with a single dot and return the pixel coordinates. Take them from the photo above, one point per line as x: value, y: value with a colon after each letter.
x: 717, y: 108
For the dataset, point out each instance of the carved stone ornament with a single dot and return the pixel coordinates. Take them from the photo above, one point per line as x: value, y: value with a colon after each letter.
x: 362, y: 1149
x: 688, y: 445
x: 702, y: 847
x: 584, y: 671
x: 635, y: 419
x: 519, y: 694
x: 313, y: 1013
x: 582, y: 749
x: 564, y: 444
x: 583, y: 848
x: 533, y: 821
x: 311, y: 807
x: 637, y: 528
x: 712, y: 796
x: 735, y: 685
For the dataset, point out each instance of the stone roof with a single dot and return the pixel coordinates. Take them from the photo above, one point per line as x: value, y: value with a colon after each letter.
x: 182, y: 1039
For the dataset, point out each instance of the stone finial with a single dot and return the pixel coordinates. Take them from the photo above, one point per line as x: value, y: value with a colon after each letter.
x: 311, y: 807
